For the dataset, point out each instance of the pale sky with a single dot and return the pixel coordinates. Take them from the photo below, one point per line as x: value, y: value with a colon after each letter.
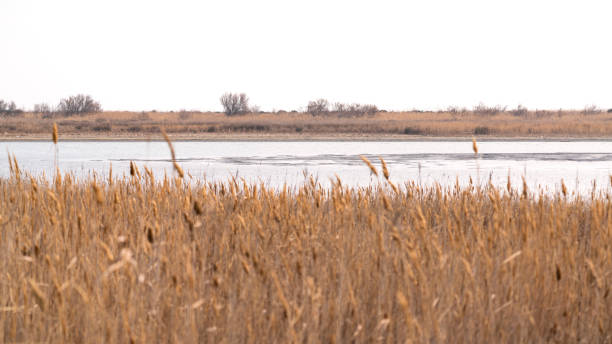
x: 399, y: 55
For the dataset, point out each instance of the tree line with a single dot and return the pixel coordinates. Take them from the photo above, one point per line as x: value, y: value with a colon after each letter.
x: 239, y: 104
x: 79, y: 104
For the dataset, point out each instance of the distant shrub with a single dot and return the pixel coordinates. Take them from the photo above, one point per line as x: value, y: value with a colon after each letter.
x: 134, y: 129
x: 412, y: 131
x: 246, y: 127
x: 609, y: 110
x: 544, y: 113
x: 354, y: 109
x: 519, y: 111
x: 322, y: 107
x: 591, y: 110
x: 6, y: 128
x: 482, y: 131
x: 299, y: 129
x: 211, y: 129
x: 103, y: 127
x: 456, y: 110
x: 482, y: 109
x: 78, y: 105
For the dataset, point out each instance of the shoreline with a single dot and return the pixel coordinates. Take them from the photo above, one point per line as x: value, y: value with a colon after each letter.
x: 279, y: 137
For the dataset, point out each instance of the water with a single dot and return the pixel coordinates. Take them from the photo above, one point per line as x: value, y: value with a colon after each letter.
x: 542, y: 163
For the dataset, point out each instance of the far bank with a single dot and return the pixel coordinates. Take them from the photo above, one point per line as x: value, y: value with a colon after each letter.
x: 394, y: 126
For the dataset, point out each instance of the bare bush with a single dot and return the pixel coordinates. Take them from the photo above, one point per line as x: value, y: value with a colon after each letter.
x: 354, y: 109
x: 482, y: 130
x: 591, y: 110
x: 78, y: 105
x: 456, y: 110
x: 321, y: 106
x: 482, y: 109
x: 235, y: 104
x: 318, y: 107
x: 544, y: 113
x: 339, y: 107
x: 254, y: 109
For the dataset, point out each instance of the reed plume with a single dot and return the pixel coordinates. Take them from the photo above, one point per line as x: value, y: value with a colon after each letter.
x: 384, y: 168
x: 156, y: 260
x: 370, y: 165
x: 176, y: 166
x: 54, y: 135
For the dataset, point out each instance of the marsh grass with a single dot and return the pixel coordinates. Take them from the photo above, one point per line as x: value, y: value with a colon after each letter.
x: 144, y: 259
x: 402, y: 124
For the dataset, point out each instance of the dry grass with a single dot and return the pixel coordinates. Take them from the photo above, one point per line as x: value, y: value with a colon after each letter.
x: 145, y: 260
x: 147, y: 125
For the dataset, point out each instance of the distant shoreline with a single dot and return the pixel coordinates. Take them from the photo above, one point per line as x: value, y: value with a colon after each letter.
x: 286, y: 138
x: 383, y: 126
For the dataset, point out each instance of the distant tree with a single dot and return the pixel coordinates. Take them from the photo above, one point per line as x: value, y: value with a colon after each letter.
x: 9, y: 109
x: 78, y: 105
x: 4, y: 106
x: 318, y: 107
x: 235, y: 104
x: 44, y: 109
x: 339, y: 107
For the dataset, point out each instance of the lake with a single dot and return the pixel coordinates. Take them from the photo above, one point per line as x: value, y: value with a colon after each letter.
x: 542, y: 163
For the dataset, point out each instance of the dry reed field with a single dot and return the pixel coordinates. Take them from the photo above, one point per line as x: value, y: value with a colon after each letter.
x: 145, y: 260
x: 146, y: 125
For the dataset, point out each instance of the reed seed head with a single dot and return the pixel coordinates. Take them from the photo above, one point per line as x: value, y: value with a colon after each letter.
x: 384, y: 168
x: 367, y: 162
x: 55, y: 134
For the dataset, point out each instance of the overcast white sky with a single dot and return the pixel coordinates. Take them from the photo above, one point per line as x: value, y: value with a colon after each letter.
x: 170, y: 55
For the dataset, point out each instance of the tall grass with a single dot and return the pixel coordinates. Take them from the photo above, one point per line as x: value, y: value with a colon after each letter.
x: 140, y: 259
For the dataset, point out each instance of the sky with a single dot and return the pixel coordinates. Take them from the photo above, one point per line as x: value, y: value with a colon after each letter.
x: 143, y: 55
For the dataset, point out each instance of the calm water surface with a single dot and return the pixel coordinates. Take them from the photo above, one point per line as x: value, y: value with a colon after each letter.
x: 543, y: 163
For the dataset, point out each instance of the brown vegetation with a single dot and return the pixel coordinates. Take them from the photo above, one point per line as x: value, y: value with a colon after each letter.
x: 399, y: 124
x: 145, y: 260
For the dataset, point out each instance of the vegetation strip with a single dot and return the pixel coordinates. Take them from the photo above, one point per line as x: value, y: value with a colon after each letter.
x: 144, y: 259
